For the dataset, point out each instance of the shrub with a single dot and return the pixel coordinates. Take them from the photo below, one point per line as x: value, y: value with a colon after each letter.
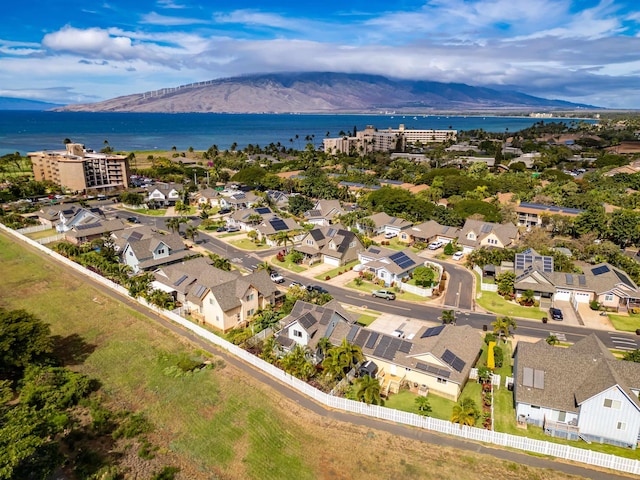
x: 358, y: 281
x: 594, y: 305
x: 498, y: 356
x: 328, y: 277
x: 134, y: 425
x: 489, y: 337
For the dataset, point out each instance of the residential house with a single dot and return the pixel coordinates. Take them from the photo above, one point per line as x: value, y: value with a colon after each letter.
x: 332, y: 245
x: 50, y: 215
x: 92, y: 230
x: 144, y: 249
x: 165, y: 194
x: 389, y: 265
x: 477, y: 233
x: 208, y: 196
x: 271, y: 228
x: 217, y: 298
x: 383, y: 223
x: 428, y: 232
x: 308, y: 323
x: 239, y: 200
x: 579, y: 392
x: 324, y: 213
x: 279, y: 199
x: 248, y: 218
x: 604, y: 283
x: 537, y: 215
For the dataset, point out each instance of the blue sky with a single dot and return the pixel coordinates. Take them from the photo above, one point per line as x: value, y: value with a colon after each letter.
x: 74, y: 51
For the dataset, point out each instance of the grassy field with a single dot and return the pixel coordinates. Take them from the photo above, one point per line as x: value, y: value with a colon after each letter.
x: 220, y: 423
x: 248, y: 244
x: 626, y: 323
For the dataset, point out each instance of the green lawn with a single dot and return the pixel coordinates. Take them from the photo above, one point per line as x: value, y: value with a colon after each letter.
x: 334, y: 272
x: 366, y: 320
x: 231, y: 234
x: 248, y: 244
x: 289, y: 265
x: 42, y: 234
x: 493, y: 302
x: 405, y: 401
x: 626, y: 323
x: 159, y: 212
x: 369, y: 287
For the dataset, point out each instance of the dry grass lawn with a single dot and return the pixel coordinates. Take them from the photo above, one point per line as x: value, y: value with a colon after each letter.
x: 219, y: 423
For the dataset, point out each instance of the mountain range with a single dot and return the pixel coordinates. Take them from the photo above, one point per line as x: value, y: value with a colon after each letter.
x: 322, y: 92
x: 11, y: 103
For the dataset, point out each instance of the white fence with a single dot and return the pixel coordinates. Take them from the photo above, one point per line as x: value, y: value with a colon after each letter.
x: 485, y: 287
x: 423, y: 292
x: 35, y: 228
x: 540, y: 447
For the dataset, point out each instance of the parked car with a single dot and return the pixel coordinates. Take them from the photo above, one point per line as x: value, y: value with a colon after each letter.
x: 233, y: 228
x: 224, y: 210
x: 296, y: 284
x: 390, y: 235
x: 457, y: 256
x: 436, y: 245
x: 386, y: 294
x: 221, y: 229
x: 555, y: 313
x: 317, y: 288
x: 276, y: 277
x: 133, y: 220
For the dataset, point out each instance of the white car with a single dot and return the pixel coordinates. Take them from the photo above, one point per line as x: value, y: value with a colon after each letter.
x: 436, y: 245
x: 390, y: 235
x: 457, y: 256
x: 276, y: 277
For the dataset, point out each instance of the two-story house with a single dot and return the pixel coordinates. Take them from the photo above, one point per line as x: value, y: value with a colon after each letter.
x: 220, y: 299
x: 579, y: 392
x: 165, y: 194
x: 332, y: 245
x: 239, y: 200
x: 145, y: 249
x: 428, y: 232
x: 324, y: 213
x: 477, y: 233
x: 383, y: 223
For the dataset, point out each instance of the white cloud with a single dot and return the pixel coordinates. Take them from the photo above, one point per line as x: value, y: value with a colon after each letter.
x: 154, y: 18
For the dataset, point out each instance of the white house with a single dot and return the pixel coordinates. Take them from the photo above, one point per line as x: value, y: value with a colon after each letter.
x: 389, y: 265
x: 165, y: 193
x: 580, y: 392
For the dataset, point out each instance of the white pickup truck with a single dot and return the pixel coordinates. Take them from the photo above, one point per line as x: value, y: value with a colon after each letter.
x: 276, y: 277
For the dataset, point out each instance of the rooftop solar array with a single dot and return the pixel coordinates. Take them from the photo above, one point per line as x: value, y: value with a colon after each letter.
x: 352, y: 333
x: 372, y: 339
x: 486, y: 228
x: 526, y: 259
x: 388, y: 347
x: 533, y: 378
x: 87, y: 226
x: 551, y: 208
x: 263, y: 210
x: 582, y: 280
x: 452, y: 359
x: 432, y: 331
x: 200, y: 290
x: 180, y: 280
x: 402, y: 260
x: 331, y: 232
x: 600, y: 270
x: 434, y: 370
x: 624, y: 279
x: 278, y: 224
x: 375, y: 251
x: 568, y: 278
x: 134, y: 236
x: 361, y: 337
x: 405, y: 347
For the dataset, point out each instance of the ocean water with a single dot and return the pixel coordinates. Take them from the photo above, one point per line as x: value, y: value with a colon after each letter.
x: 23, y: 131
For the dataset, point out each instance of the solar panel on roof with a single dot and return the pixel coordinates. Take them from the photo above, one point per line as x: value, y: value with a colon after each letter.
x: 405, y: 347
x: 582, y: 280
x: 331, y: 232
x: 263, y: 210
x: 458, y: 364
x: 361, y: 338
x: 135, y: 236
x: 372, y: 339
x: 448, y: 356
x: 538, y: 379
x: 180, y: 280
x: 278, y: 224
x: 422, y: 366
x: 374, y: 251
x: 624, y: 279
x: 527, y: 377
x: 352, y: 333
x: 568, y: 278
x: 382, y: 346
x: 200, y: 290
x: 401, y: 259
x: 432, y: 331
x: 600, y: 270
x: 486, y: 228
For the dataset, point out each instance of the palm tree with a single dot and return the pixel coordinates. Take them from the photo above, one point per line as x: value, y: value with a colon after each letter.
x: 528, y: 297
x: 266, y: 266
x: 367, y: 390
x: 324, y: 345
x: 502, y: 326
x: 331, y: 364
x: 282, y: 238
x: 465, y: 412
x: 192, y: 232
x: 552, y: 340
x: 448, y: 316
x: 182, y: 207
x: 351, y: 354
x: 220, y: 262
x: 173, y: 224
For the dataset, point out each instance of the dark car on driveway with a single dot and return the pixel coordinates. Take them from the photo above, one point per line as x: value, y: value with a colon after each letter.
x: 221, y: 229
x: 133, y: 220
x: 555, y: 313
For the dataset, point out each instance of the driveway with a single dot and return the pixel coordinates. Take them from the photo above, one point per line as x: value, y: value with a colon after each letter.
x: 460, y: 286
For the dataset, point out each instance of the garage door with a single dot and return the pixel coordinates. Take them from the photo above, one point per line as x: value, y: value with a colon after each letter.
x: 582, y: 297
x: 331, y: 261
x: 562, y: 295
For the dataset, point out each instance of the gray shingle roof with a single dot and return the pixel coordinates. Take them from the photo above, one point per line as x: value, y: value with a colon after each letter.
x: 572, y: 375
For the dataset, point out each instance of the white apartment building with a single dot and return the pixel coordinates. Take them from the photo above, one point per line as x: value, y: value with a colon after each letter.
x: 374, y: 140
